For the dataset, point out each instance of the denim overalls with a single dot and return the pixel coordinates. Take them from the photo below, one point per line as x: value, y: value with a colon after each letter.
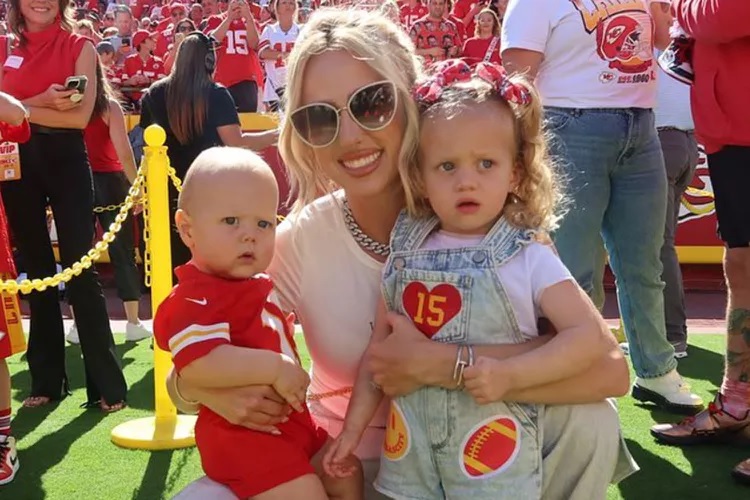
x: 439, y: 443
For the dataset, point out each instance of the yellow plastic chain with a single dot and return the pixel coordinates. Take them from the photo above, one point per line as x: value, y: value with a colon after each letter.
x: 175, y: 180
x: 146, y: 238
x: 67, y: 274
x: 146, y: 233
x: 108, y: 208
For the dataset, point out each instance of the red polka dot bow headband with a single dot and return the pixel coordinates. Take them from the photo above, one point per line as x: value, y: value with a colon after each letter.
x: 451, y: 71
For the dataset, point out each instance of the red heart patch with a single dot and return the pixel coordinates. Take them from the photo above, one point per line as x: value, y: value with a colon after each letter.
x: 431, y: 309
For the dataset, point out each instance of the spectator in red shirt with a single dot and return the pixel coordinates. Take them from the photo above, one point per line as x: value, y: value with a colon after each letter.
x: 485, y: 44
x: 184, y: 27
x: 51, y: 53
x: 721, y: 106
x: 196, y: 14
x: 238, y: 66
x: 411, y: 12
x: 435, y: 37
x: 13, y: 122
x: 466, y: 11
x: 142, y: 68
x: 460, y: 27
x: 107, y: 57
x: 177, y: 12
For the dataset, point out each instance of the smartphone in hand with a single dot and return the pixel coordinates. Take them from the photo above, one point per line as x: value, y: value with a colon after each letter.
x: 77, y: 83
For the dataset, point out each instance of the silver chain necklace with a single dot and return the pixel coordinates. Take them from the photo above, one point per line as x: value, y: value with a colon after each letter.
x: 360, y: 237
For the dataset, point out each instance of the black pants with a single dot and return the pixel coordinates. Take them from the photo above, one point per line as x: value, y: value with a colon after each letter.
x: 111, y: 188
x: 245, y: 95
x: 55, y: 171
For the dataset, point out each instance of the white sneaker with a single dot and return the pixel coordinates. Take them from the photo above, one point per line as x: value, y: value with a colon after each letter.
x: 8, y: 459
x: 670, y: 392
x: 72, y: 335
x: 136, y: 332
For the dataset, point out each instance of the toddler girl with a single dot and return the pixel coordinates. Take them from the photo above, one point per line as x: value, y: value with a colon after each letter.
x: 470, y: 267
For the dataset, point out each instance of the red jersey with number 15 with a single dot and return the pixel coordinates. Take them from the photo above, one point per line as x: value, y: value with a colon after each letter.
x: 410, y: 15
x: 236, y: 61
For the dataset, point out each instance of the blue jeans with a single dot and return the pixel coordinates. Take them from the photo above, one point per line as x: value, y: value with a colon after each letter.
x: 616, y: 181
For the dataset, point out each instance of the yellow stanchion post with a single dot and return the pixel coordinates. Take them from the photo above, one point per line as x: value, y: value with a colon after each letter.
x: 165, y: 430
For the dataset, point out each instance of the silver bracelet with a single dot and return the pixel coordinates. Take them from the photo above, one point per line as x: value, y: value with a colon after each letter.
x: 179, y: 395
x: 458, y: 368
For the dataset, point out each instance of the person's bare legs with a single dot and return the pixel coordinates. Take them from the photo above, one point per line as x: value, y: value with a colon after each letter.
x: 131, y: 311
x: 736, y: 385
x: 308, y: 486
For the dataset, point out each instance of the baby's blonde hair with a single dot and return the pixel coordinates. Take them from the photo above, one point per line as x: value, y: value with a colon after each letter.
x: 369, y: 37
x: 537, y: 202
x: 217, y: 161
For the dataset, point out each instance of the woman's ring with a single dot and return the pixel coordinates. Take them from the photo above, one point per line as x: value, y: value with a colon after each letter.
x: 375, y: 385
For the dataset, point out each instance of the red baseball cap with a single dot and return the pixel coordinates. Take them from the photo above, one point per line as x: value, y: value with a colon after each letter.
x: 141, y: 36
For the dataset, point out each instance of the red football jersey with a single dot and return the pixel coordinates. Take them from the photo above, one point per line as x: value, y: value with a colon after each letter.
x: 410, y: 15
x: 153, y: 68
x: 204, y: 312
x: 164, y: 39
x: 460, y: 10
x: 236, y: 61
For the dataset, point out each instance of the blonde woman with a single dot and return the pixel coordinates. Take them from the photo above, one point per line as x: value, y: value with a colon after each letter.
x: 352, y: 122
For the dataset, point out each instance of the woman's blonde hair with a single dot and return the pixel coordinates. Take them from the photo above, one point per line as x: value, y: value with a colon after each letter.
x: 537, y: 202
x: 495, y: 22
x: 371, y: 38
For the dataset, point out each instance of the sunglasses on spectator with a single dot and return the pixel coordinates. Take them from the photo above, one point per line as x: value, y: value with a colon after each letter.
x: 372, y: 107
x: 185, y: 28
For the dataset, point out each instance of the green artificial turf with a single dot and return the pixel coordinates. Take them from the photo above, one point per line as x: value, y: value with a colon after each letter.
x: 66, y: 453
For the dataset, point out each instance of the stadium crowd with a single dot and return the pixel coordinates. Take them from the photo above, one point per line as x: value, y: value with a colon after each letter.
x: 193, y: 67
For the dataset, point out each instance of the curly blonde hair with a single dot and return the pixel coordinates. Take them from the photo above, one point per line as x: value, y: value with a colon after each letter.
x: 369, y: 37
x: 537, y: 201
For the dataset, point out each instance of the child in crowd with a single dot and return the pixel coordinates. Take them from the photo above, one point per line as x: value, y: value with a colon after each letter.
x: 224, y: 328
x: 471, y: 266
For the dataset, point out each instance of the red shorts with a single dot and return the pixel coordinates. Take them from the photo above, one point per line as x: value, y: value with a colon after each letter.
x: 250, y: 462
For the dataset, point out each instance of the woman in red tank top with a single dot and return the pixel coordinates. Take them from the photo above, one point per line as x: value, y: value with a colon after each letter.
x: 113, y: 169
x: 485, y: 44
x: 36, y: 64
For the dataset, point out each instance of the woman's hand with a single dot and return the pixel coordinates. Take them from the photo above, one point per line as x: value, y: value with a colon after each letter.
x: 256, y: 407
x: 58, y: 97
x: 398, y: 362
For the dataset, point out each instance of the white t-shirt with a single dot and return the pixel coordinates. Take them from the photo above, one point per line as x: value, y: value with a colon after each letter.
x: 596, y: 54
x: 672, y: 103
x: 524, y: 277
x: 333, y: 286
x: 275, y: 38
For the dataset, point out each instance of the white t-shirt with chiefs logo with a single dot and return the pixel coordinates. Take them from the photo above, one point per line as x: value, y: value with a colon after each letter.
x: 597, y: 53
x: 274, y: 38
